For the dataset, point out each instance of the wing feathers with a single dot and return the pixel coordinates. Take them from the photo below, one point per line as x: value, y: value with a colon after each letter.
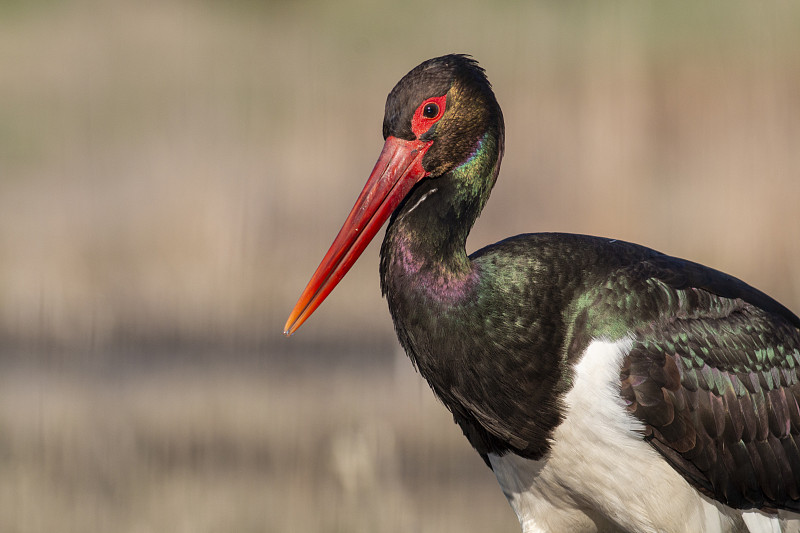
x: 719, y: 395
x: 734, y: 417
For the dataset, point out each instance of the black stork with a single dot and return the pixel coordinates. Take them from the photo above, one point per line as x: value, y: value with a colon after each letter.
x: 608, y: 386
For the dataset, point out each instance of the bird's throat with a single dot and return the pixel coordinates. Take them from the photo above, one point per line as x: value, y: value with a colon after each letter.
x: 410, y: 265
x: 425, y: 243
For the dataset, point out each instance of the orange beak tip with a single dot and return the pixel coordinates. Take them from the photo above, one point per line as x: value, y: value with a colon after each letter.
x: 289, y: 328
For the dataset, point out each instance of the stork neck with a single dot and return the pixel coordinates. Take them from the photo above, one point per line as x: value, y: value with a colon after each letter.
x: 428, y: 234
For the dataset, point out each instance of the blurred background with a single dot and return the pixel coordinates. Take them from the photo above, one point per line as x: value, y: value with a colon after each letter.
x: 171, y: 173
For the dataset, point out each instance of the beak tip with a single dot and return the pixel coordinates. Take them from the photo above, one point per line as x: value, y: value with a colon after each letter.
x: 292, y: 325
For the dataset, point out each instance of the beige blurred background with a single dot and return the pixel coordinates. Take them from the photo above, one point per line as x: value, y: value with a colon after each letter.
x: 171, y: 173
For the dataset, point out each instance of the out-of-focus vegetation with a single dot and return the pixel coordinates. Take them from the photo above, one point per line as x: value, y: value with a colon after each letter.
x: 171, y: 173
x: 237, y: 451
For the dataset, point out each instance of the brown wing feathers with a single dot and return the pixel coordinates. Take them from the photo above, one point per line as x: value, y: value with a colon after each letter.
x: 719, y: 399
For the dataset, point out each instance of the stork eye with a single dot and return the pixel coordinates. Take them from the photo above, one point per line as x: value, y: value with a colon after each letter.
x: 428, y: 112
x: 431, y: 110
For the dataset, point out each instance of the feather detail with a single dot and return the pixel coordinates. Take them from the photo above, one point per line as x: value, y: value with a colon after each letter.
x: 718, y: 394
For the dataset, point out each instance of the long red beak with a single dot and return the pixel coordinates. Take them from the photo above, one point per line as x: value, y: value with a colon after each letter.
x: 398, y: 169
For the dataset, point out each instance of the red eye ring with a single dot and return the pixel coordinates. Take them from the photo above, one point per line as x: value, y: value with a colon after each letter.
x: 427, y: 114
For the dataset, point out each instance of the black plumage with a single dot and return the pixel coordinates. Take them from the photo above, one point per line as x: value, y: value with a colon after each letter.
x: 718, y: 391
x: 709, y: 376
